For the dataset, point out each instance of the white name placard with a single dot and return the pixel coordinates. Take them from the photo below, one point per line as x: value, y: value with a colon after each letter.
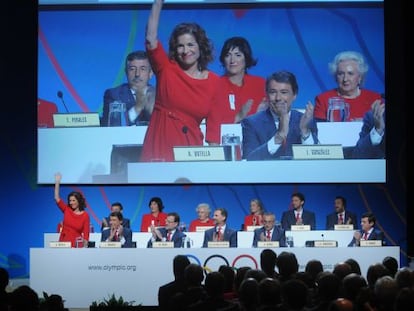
x: 199, y: 153
x: 269, y: 244
x: 203, y: 228
x: 252, y: 228
x: 110, y: 244
x: 343, y: 227
x: 370, y: 243
x: 317, y: 152
x: 222, y: 244
x: 165, y: 244
x: 300, y: 228
x: 60, y: 244
x: 326, y: 243
x: 76, y: 119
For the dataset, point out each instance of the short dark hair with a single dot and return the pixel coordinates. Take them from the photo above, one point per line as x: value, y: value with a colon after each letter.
x: 80, y: 198
x: 158, y: 201
x: 223, y: 211
x: 339, y: 197
x: 118, y: 204
x: 299, y: 195
x: 140, y: 54
x: 243, y: 45
x: 283, y: 77
x: 117, y: 215
x: 175, y: 215
x: 371, y: 217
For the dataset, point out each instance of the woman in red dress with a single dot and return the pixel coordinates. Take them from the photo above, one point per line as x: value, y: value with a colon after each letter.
x: 76, y: 221
x: 185, y: 88
x: 256, y: 214
x: 156, y: 217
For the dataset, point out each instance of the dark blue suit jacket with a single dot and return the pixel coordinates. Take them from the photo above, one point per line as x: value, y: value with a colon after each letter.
x: 258, y: 128
x: 288, y: 219
x: 229, y: 235
x: 127, y: 233
x: 123, y: 94
x: 375, y: 235
x: 177, y: 238
x: 278, y: 234
x: 364, y: 148
x: 332, y: 220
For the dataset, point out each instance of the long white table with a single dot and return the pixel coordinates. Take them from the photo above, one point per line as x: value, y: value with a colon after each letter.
x: 84, y: 275
x: 244, y: 238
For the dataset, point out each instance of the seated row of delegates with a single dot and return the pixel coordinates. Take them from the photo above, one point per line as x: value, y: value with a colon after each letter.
x: 203, y: 220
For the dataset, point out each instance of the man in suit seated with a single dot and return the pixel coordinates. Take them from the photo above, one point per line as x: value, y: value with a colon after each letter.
x: 117, y: 232
x: 341, y: 216
x: 116, y: 207
x: 169, y: 233
x: 269, y: 232
x: 368, y: 230
x: 221, y: 232
x: 298, y: 215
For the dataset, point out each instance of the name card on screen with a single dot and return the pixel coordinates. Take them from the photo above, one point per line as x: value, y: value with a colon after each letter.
x: 326, y: 243
x: 221, y: 244
x: 343, y: 227
x: 252, y: 228
x: 60, y: 244
x: 370, y: 243
x: 300, y: 228
x: 86, y: 119
x: 110, y: 244
x: 317, y: 152
x: 163, y: 244
x: 199, y: 153
x: 202, y: 228
x: 268, y: 244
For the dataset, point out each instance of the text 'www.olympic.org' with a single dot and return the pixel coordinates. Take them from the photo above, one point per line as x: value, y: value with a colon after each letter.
x: 109, y: 268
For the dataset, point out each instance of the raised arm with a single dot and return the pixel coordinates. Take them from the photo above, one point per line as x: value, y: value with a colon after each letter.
x: 151, y: 35
x: 58, y: 178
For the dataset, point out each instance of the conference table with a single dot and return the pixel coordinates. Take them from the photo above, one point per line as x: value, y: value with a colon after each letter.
x: 84, y: 275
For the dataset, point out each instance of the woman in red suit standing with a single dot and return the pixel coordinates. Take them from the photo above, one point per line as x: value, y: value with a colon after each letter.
x: 256, y: 214
x: 156, y: 217
x: 76, y: 221
x: 185, y: 88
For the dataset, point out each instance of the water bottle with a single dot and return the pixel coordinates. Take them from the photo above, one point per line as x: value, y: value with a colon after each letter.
x: 186, y: 242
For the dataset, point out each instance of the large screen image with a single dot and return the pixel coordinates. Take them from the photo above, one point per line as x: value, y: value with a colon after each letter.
x: 87, y: 129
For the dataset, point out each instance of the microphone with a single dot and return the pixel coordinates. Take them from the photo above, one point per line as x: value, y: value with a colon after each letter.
x: 185, y: 131
x: 323, y: 237
x: 60, y: 95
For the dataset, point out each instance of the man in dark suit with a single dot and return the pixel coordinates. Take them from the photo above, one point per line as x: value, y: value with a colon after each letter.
x: 137, y: 95
x: 269, y: 134
x: 269, y: 232
x: 117, y: 232
x: 371, y: 142
x: 116, y: 207
x: 368, y: 230
x: 169, y: 233
x: 298, y: 215
x: 220, y: 232
x: 341, y: 216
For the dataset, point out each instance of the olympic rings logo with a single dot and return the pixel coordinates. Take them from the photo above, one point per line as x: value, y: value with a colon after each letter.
x: 225, y: 261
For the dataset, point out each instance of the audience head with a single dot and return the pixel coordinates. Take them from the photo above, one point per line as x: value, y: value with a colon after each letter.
x: 374, y: 272
x: 405, y: 277
x: 4, y: 279
x: 294, y: 294
x: 138, y: 69
x: 287, y: 264
x: 240, y: 274
x: 23, y: 298
x: 342, y: 269
x: 270, y: 292
x: 193, y: 275
x: 351, y: 64
x: 203, y: 211
x: 155, y: 204
x: 76, y: 200
x: 404, y: 300
x: 256, y: 274
x: 229, y: 277
x: 54, y: 303
x: 352, y: 284
x: 385, y: 291
x: 341, y: 304
x: 268, y: 259
x: 180, y: 262
x: 314, y: 267
x: 198, y: 33
x: 329, y: 286
x: 214, y: 284
x: 354, y: 265
x: 249, y: 293
x: 236, y: 46
x: 391, y: 264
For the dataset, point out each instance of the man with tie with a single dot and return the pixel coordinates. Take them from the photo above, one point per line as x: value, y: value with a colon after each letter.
x: 298, y: 215
x: 269, y: 232
x: 368, y: 230
x: 341, y: 216
x: 116, y: 232
x: 169, y: 233
x: 220, y: 232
